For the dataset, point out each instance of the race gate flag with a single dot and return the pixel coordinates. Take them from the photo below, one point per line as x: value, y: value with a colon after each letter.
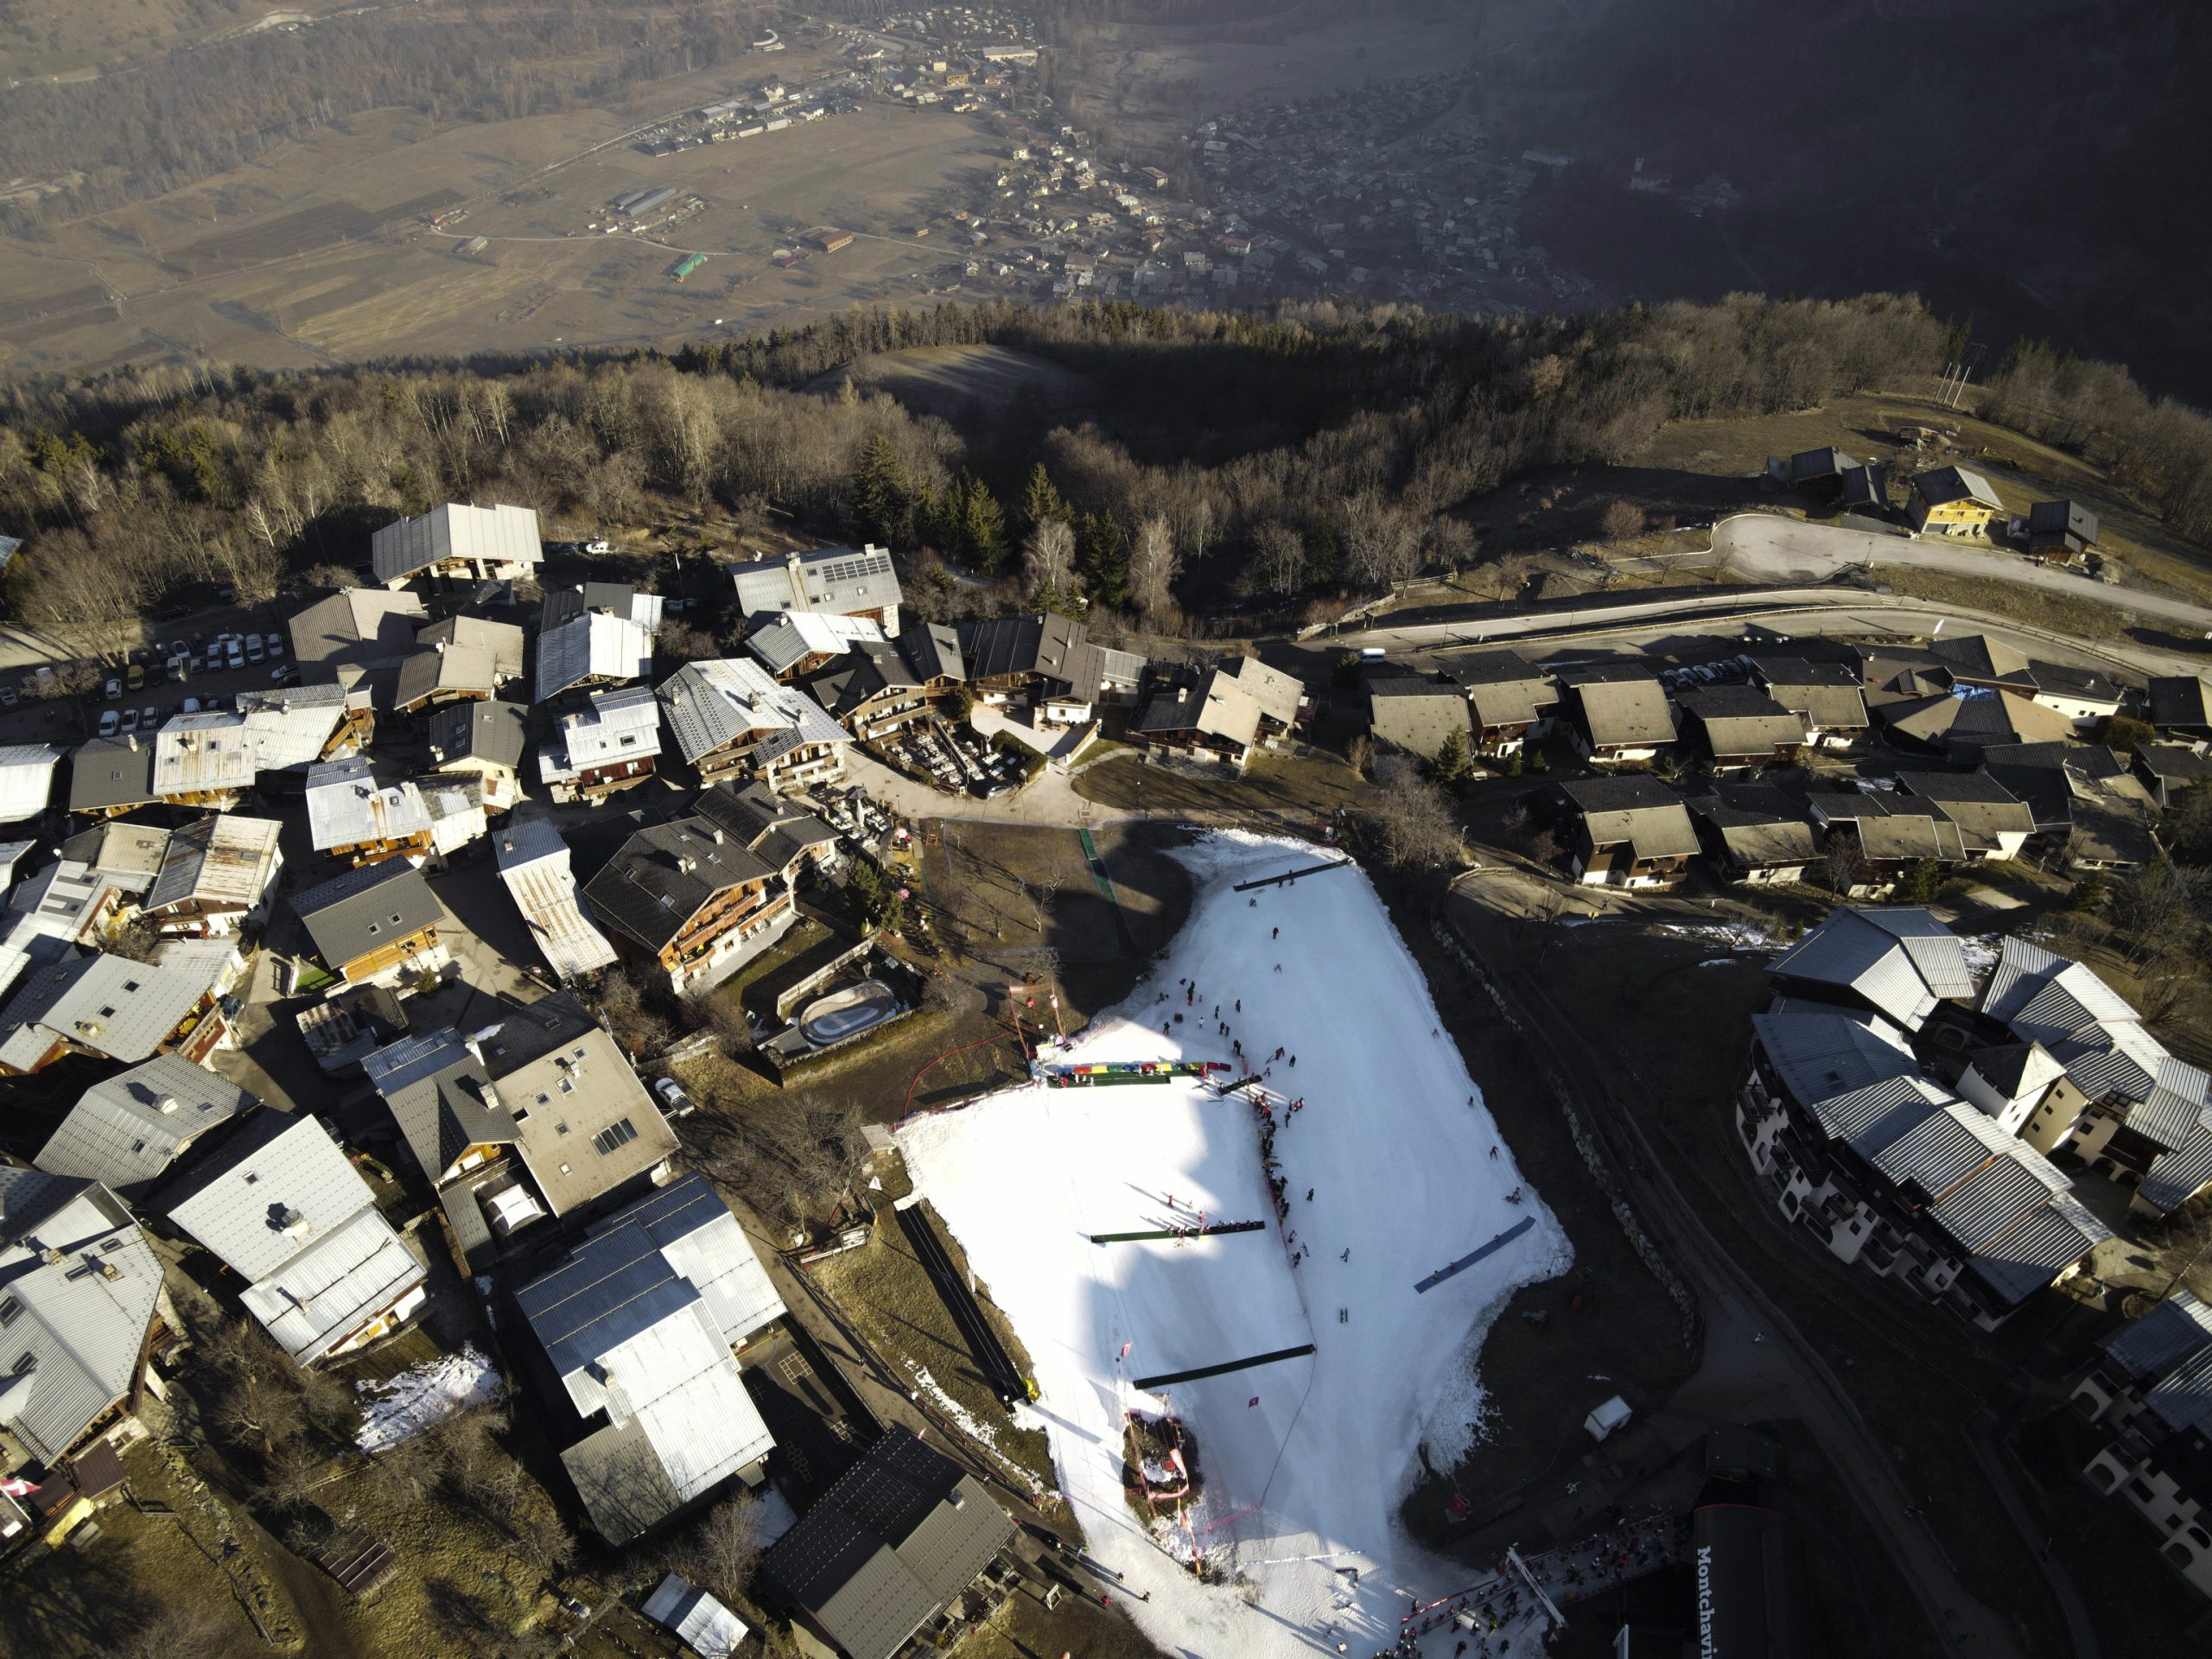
x: 1253, y: 1401
x: 1125, y: 1350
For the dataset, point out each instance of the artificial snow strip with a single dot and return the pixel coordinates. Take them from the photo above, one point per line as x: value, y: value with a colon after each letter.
x: 1391, y: 1166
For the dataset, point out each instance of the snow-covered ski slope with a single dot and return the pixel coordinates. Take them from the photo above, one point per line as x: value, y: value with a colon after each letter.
x: 1403, y: 1177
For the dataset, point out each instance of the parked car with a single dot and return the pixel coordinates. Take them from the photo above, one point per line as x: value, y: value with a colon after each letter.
x: 191, y: 706
x: 286, y: 676
x: 130, y: 721
x: 255, y: 651
x: 110, y: 720
x: 149, y: 717
x: 274, y: 643
x: 598, y: 547
x: 7, y: 697
x: 671, y: 1093
x: 113, y: 690
x: 234, y: 657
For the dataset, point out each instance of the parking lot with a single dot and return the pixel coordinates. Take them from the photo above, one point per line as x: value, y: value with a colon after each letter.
x: 28, y: 714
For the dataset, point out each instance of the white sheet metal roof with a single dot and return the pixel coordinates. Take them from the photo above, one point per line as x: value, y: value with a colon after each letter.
x: 107, y: 1005
x: 84, y: 1282
x: 592, y: 646
x: 629, y: 1332
x: 346, y: 806
x: 126, y: 1131
x: 699, y: 1621
x: 839, y: 579
x: 492, y: 535
x: 456, y: 809
x: 534, y: 863
x: 26, y: 780
x: 289, y: 727
x: 283, y: 1208
x: 204, y: 753
x: 724, y: 700
x: 797, y: 635
x: 622, y: 724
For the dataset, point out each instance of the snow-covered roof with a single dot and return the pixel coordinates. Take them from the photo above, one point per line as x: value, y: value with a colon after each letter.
x: 284, y: 1210
x: 534, y: 863
x: 346, y: 807
x: 493, y: 536
x: 698, y: 1621
x: 203, y: 755
x: 26, y: 780
x: 720, y: 701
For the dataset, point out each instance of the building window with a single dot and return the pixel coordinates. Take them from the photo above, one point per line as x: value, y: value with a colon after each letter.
x: 10, y: 1311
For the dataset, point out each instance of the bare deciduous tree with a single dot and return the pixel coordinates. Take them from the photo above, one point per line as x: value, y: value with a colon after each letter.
x: 1154, y: 565
x: 1048, y: 560
x: 1413, y: 822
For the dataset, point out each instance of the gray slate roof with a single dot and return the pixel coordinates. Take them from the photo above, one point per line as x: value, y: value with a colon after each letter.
x: 111, y: 772
x: 902, y: 1532
x: 1741, y: 719
x: 79, y: 1321
x: 108, y: 1005
x: 126, y: 1132
x: 1629, y: 712
x: 440, y: 1094
x: 665, y: 874
x: 1828, y: 695
x: 488, y: 730
x: 1417, y: 715
x: 352, y: 914
x: 1642, y: 811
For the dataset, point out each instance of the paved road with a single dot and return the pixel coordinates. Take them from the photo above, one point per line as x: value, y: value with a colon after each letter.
x: 1739, y: 1317
x: 1765, y: 548
x: 1787, y: 610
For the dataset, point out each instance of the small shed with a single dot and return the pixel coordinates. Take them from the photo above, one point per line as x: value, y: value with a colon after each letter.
x: 1607, y: 1418
x: 698, y: 1621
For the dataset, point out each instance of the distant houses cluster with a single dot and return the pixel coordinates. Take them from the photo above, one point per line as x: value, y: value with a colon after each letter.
x: 1947, y: 500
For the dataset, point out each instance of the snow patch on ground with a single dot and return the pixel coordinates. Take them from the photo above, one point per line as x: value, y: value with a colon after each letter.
x: 1305, y: 1459
x: 1730, y: 936
x: 423, y: 1396
x: 974, y: 1428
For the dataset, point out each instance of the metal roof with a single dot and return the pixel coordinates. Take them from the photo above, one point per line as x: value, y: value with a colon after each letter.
x: 2182, y: 1399
x: 107, y: 1005
x: 630, y: 1333
x: 491, y: 536
x: 226, y: 862
x: 698, y: 1620
x: 346, y: 807
x: 438, y: 1092
x: 794, y: 636
x: 1869, y: 1118
x: 1952, y: 1144
x: 485, y: 729
x: 836, y: 579
x: 126, y: 1131
x: 534, y: 863
x: 26, y: 780
x: 280, y: 1205
x: 618, y: 724
x: 1901, y: 961
x: 2176, y: 1328
x: 592, y: 647
x: 2177, y: 1176
x: 110, y: 771
x: 352, y: 914
x: 2045, y: 1241
x: 1820, y: 1051
x: 2180, y: 699
x: 1986, y: 1208
x: 719, y: 701
x: 79, y: 1288
x: 205, y: 753
x: 2042, y: 994
x: 360, y: 627
x: 902, y: 1532
x: 289, y: 727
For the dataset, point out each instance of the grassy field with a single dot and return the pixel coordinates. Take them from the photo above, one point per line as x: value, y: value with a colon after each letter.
x: 946, y: 380
x: 65, y: 40
x: 889, y: 1296
x: 1300, y: 788
x: 316, y: 251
